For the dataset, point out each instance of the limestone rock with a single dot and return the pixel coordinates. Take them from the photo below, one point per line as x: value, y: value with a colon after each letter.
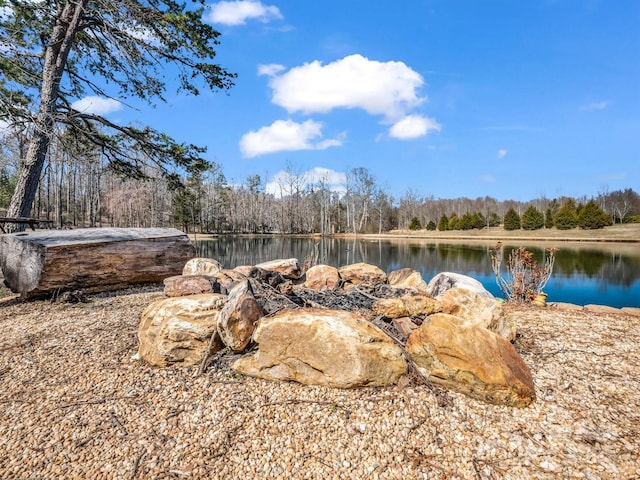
x: 288, y: 268
x: 407, y: 278
x: 362, y: 273
x: 446, y: 280
x: 176, y: 331
x: 322, y: 278
x: 332, y: 348
x: 238, y: 317
x: 201, y: 266
x: 181, y: 285
x: 471, y: 360
x: 478, y: 310
x: 407, y: 306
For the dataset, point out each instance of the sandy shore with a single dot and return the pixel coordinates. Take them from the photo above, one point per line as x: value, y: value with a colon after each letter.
x: 74, y: 405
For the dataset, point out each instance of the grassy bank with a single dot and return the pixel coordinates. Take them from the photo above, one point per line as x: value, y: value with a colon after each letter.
x: 617, y: 233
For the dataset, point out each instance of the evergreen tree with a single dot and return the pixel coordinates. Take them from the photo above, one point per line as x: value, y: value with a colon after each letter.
x: 478, y: 221
x: 566, y: 218
x: 548, y: 218
x: 493, y: 220
x: 466, y: 222
x: 431, y: 226
x: 454, y: 222
x: 532, y: 219
x: 443, y: 223
x: 415, y: 224
x: 592, y: 216
x: 512, y: 220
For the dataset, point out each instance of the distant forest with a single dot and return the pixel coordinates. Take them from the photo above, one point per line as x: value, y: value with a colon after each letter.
x: 79, y: 190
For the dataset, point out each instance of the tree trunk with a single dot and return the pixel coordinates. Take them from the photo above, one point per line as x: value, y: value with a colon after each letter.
x: 56, y: 53
x: 92, y: 259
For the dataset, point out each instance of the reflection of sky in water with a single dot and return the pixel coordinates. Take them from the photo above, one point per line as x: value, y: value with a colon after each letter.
x: 580, y: 276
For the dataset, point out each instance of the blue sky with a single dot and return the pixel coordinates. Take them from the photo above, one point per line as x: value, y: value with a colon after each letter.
x: 450, y: 98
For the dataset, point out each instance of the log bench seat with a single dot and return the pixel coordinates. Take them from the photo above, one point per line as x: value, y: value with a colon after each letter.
x: 46, y: 262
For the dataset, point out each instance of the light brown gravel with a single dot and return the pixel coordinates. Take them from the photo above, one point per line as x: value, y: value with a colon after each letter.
x: 73, y: 405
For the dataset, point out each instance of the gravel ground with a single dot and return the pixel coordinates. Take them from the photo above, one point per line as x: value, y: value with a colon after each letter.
x: 74, y: 405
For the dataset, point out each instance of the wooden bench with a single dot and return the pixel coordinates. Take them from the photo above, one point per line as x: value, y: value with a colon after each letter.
x: 32, y: 222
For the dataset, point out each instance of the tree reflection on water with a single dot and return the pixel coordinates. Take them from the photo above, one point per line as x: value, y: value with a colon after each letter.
x: 607, y: 274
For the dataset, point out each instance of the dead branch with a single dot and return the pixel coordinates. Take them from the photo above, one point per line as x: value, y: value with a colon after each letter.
x: 136, y: 464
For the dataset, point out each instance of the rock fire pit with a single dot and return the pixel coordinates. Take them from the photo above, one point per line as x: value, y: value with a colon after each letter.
x: 348, y: 327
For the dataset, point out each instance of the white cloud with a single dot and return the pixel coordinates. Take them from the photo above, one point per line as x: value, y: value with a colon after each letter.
x: 286, y: 135
x: 389, y: 89
x: 97, y: 105
x: 413, y: 126
x: 283, y: 182
x: 238, y: 12
x: 595, y: 106
x: 143, y: 33
x: 327, y: 176
x: 502, y: 153
x: 270, y: 70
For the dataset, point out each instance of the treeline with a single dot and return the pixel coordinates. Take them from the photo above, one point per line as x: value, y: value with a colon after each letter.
x: 564, y: 217
x: 78, y: 189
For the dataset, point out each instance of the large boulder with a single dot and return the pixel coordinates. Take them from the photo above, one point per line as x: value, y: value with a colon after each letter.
x: 416, y: 305
x: 471, y: 360
x: 446, y: 280
x: 333, y: 348
x: 357, y: 273
x: 407, y: 278
x: 287, y: 267
x: 176, y: 331
x: 478, y: 310
x: 202, y: 266
x: 238, y: 317
x: 322, y: 278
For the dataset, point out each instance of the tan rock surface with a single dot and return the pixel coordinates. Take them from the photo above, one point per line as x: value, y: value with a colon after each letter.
x: 202, y: 266
x: 287, y: 267
x: 471, y: 360
x: 407, y: 306
x: 74, y: 406
x: 407, y: 278
x: 176, y: 330
x: 479, y: 310
x: 322, y: 277
x: 362, y: 273
x: 323, y: 347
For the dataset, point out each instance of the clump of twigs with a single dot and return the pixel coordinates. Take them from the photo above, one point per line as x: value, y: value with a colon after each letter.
x: 525, y: 278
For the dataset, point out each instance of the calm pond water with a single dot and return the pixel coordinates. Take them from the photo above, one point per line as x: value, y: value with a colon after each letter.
x: 584, y: 273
